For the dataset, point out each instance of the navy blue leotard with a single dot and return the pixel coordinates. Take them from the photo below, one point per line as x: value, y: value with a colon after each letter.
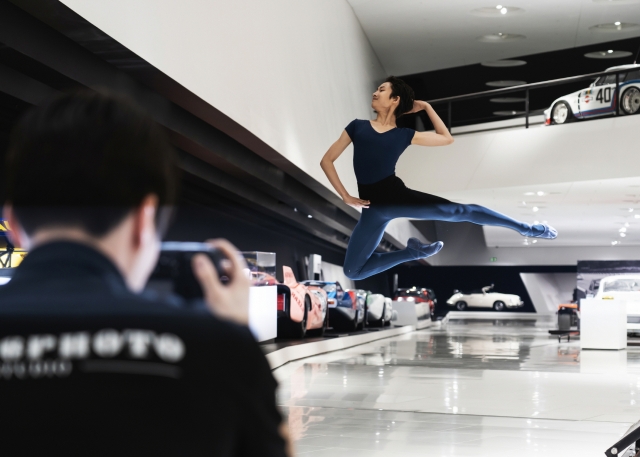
x: 375, y: 156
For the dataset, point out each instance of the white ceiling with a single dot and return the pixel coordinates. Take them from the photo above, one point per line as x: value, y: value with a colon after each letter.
x: 588, y: 172
x: 414, y: 36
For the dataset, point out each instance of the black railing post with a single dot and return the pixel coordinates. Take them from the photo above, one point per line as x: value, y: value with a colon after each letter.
x: 449, y: 118
x: 617, y: 94
x: 526, y: 110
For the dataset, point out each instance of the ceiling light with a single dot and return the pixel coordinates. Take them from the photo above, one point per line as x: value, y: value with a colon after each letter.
x: 623, y: 235
x: 529, y: 193
x: 503, y: 63
x: 626, y: 224
x: 614, y: 27
x: 505, y: 83
x: 540, y: 193
x: 623, y: 230
x: 637, y: 216
x: 536, y: 222
x: 499, y: 7
x: 609, y: 54
x: 508, y: 113
x: 507, y: 100
x: 631, y: 210
x: 535, y: 209
x: 503, y: 11
x: 614, y: 243
x: 534, y: 241
x: 500, y: 37
x: 310, y: 216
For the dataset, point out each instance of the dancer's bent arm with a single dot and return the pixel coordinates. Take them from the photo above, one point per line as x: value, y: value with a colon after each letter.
x: 329, y: 169
x: 441, y: 137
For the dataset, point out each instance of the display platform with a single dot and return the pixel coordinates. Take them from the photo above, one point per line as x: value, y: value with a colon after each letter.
x: 283, y: 352
x: 481, y: 315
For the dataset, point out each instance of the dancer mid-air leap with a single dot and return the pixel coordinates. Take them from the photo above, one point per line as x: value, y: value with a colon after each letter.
x: 377, y: 145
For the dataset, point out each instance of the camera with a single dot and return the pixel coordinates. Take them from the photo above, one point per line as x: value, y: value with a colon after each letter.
x: 174, y: 272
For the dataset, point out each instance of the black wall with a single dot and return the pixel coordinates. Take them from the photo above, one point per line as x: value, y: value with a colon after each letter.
x: 443, y: 280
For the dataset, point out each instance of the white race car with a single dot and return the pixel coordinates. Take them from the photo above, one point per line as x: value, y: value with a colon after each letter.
x: 484, y: 299
x: 600, y: 98
x: 627, y: 288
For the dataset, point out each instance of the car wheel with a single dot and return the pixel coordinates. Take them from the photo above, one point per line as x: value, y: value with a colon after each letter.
x: 360, y: 326
x: 630, y: 101
x: 319, y: 332
x: 499, y: 306
x: 561, y: 113
x: 461, y: 306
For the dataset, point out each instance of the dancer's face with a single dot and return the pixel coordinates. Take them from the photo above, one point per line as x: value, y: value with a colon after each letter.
x: 382, y: 100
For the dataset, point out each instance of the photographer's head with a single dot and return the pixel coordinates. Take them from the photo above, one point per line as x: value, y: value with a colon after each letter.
x: 95, y: 169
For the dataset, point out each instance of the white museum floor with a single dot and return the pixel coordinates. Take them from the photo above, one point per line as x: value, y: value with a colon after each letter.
x: 467, y: 388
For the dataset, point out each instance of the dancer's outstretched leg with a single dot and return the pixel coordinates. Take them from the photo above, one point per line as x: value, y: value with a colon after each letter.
x: 362, y: 261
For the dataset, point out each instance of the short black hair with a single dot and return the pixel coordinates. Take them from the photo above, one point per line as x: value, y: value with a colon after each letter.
x: 87, y: 160
x: 401, y: 89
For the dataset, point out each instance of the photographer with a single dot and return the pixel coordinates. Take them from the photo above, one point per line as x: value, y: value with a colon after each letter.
x: 87, y: 365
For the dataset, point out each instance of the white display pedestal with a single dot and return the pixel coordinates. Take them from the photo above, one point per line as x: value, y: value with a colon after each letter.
x: 263, y: 312
x: 603, y: 324
x: 409, y: 312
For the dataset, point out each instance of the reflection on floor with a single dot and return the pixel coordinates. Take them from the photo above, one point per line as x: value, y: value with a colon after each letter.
x: 475, y: 387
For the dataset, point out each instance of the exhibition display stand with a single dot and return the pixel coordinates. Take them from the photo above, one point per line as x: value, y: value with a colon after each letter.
x: 263, y: 312
x: 603, y: 324
x: 409, y: 313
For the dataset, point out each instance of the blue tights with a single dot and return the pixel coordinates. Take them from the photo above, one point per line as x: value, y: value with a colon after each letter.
x: 390, y: 199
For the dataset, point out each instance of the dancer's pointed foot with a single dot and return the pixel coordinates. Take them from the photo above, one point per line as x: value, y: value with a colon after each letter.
x: 543, y: 231
x: 420, y: 251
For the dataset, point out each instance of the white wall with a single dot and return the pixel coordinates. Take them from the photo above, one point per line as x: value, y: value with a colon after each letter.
x: 548, y: 290
x: 292, y: 72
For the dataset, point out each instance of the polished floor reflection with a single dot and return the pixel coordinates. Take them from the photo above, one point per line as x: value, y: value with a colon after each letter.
x: 474, y: 387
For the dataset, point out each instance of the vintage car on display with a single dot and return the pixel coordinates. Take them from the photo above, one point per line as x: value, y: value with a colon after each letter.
x: 361, y: 299
x: 379, y: 310
x: 626, y: 288
x: 425, y: 300
x: 484, y: 298
x: 343, y: 308
x: 301, y: 311
x: 599, y: 99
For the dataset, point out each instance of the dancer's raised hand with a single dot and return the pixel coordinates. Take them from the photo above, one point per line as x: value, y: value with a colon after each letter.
x: 356, y: 202
x: 418, y: 105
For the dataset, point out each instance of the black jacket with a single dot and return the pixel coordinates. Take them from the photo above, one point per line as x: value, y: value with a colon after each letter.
x: 89, y: 368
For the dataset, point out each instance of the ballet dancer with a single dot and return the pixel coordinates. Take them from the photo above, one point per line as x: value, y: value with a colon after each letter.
x: 377, y: 146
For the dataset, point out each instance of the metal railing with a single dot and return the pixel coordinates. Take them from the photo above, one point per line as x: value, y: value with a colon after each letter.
x: 527, y: 88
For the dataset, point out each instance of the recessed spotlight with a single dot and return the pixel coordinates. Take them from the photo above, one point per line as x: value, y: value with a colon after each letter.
x: 498, y: 11
x: 614, y: 243
x: 631, y: 210
x: 623, y: 235
x: 637, y: 216
x: 529, y: 193
x: 534, y: 241
x: 626, y: 224
x: 503, y: 63
x: 536, y: 222
x: 614, y: 27
x: 608, y: 54
x: 535, y: 209
x: 310, y: 216
x: 500, y: 37
x: 623, y: 230
x: 539, y: 193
